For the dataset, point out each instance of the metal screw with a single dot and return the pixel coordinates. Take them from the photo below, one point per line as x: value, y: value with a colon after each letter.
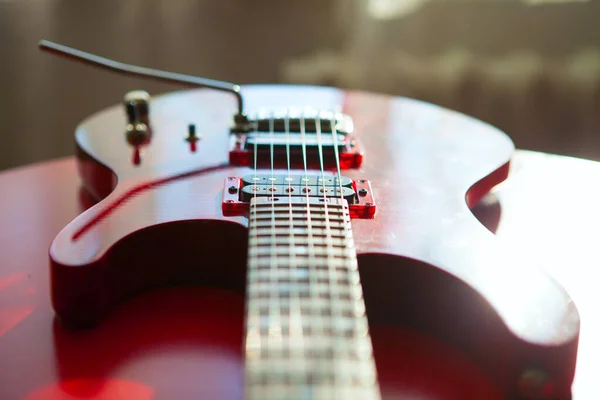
x: 368, y: 204
x: 233, y: 189
x: 362, y: 181
x: 362, y: 192
x: 228, y: 201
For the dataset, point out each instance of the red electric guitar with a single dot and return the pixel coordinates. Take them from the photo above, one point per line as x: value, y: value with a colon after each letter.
x: 337, y: 214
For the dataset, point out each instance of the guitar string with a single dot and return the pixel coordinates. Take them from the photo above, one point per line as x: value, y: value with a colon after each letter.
x: 345, y: 215
x: 253, y: 338
x: 308, y: 211
x: 316, y: 324
x: 274, y: 317
x: 337, y: 155
x: 255, y: 148
x: 275, y: 331
x: 334, y: 295
x: 294, y: 329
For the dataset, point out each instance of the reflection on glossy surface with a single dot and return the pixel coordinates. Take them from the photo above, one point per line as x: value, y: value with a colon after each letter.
x: 551, y: 216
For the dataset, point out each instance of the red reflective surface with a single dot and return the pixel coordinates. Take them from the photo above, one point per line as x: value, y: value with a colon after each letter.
x: 161, y: 345
x: 179, y: 343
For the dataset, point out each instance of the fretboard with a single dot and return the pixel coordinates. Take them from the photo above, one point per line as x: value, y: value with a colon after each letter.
x: 307, y: 334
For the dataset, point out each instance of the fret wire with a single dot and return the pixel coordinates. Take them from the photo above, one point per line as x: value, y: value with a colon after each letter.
x: 298, y: 240
x: 336, y: 153
x: 302, y: 252
x: 319, y: 326
x: 301, y: 274
x: 339, y: 178
x: 274, y: 336
x: 302, y: 223
x: 252, y: 339
x: 296, y: 331
x: 327, y: 227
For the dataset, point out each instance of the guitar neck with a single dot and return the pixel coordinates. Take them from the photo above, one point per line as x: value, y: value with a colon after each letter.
x: 307, y: 334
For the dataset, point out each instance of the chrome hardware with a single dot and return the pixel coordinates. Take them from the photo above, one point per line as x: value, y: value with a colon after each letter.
x: 137, y: 106
x: 137, y: 103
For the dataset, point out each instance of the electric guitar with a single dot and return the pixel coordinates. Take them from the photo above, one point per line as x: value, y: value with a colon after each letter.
x: 333, y: 212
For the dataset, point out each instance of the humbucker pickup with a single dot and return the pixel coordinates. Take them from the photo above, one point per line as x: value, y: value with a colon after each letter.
x: 296, y: 180
x: 292, y: 140
x: 238, y: 192
x: 297, y: 186
x: 251, y: 191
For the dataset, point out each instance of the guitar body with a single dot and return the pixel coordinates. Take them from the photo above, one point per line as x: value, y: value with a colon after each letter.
x: 484, y: 322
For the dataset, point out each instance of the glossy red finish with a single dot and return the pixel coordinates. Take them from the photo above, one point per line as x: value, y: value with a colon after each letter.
x: 426, y: 263
x: 162, y: 344
x: 182, y: 343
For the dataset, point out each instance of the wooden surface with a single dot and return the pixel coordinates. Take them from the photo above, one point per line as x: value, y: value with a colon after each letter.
x: 548, y: 210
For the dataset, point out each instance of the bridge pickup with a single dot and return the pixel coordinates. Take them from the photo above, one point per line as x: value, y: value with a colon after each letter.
x: 293, y: 123
x: 293, y: 139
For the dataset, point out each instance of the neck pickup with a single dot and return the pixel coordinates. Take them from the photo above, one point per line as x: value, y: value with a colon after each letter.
x: 238, y: 192
x: 312, y: 186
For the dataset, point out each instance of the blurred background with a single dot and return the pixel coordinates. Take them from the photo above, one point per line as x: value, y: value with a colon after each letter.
x: 530, y: 67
